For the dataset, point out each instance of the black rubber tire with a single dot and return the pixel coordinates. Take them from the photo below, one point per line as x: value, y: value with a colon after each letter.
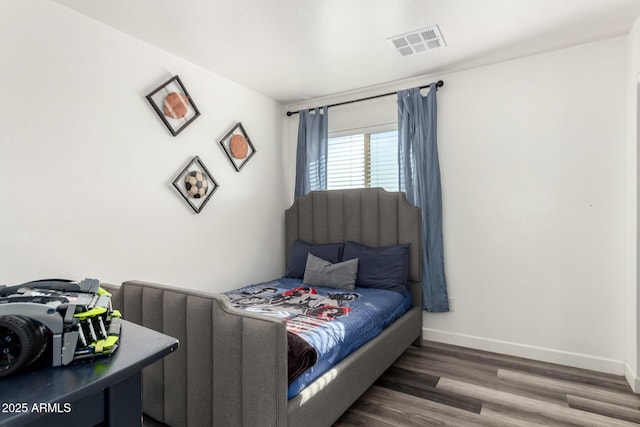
x: 22, y: 342
x: 39, y: 334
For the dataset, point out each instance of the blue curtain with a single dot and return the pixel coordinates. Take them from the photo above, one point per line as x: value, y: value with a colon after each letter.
x: 311, y: 155
x: 419, y: 173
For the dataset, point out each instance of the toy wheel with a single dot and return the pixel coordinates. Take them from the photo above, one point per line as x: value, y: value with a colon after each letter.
x: 22, y: 342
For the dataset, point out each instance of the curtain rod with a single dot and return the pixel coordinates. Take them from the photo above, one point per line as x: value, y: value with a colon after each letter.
x: 439, y: 83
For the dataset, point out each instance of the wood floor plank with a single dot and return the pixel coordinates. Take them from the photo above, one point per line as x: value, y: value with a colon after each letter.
x: 456, y: 366
x: 444, y: 385
x: 474, y: 373
x: 590, y: 392
x: 404, y: 381
x: 519, y: 418
x: 357, y: 417
x: 603, y: 408
x: 407, y: 410
x: 555, y: 412
x: 551, y: 370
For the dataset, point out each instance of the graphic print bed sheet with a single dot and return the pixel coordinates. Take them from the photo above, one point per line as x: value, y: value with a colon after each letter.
x: 333, y: 321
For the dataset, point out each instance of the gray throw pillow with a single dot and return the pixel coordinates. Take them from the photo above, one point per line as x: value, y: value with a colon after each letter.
x: 319, y: 272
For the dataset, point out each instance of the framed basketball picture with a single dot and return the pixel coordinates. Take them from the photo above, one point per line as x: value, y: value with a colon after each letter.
x: 174, y: 105
x: 238, y: 146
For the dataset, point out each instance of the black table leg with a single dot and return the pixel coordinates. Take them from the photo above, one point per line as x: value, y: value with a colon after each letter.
x: 124, y: 407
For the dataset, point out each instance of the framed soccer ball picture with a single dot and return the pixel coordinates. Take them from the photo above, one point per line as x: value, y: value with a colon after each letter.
x: 238, y: 146
x: 174, y: 106
x: 195, y: 184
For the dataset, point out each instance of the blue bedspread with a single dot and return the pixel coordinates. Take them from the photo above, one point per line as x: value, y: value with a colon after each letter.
x: 334, y: 321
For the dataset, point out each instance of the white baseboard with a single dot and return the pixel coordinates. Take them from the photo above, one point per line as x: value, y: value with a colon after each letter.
x: 632, y: 378
x: 577, y: 360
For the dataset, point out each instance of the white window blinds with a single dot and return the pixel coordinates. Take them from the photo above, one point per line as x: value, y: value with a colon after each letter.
x: 363, y: 160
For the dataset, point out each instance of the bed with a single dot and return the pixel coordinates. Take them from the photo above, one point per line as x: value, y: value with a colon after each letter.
x: 231, y: 368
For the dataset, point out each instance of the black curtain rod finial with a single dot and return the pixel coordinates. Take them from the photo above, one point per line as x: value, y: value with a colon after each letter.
x: 439, y: 83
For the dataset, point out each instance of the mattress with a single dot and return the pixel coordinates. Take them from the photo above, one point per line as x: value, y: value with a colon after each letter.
x: 334, y: 322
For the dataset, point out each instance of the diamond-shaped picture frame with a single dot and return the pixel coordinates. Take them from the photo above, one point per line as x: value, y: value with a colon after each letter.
x: 238, y: 146
x: 195, y: 184
x: 174, y: 105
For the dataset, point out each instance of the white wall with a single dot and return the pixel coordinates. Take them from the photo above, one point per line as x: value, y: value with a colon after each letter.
x: 532, y: 155
x: 632, y: 321
x: 86, y: 165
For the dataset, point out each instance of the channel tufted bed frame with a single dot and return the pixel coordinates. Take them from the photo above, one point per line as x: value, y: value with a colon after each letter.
x: 231, y: 366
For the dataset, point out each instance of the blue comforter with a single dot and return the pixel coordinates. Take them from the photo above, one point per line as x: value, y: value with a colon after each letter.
x: 333, y: 321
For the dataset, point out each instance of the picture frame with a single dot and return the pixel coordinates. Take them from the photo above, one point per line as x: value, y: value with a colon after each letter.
x: 238, y: 146
x: 173, y: 104
x: 195, y: 184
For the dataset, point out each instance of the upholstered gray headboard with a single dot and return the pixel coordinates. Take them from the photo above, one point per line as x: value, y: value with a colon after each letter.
x: 370, y: 216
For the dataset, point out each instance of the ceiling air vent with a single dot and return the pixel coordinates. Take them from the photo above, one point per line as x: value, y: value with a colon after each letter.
x: 418, y: 41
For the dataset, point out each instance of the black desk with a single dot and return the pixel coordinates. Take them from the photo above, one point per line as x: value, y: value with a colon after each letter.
x: 105, y: 391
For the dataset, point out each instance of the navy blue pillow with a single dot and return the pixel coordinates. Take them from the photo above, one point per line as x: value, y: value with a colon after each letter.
x: 385, y: 267
x: 331, y: 252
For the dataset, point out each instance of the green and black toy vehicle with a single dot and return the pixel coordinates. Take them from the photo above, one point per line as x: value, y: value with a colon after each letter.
x: 61, y: 319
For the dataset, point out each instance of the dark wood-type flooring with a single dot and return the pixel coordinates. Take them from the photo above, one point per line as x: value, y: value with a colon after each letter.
x: 445, y: 385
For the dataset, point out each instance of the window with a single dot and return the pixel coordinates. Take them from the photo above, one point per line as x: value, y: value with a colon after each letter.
x: 363, y: 160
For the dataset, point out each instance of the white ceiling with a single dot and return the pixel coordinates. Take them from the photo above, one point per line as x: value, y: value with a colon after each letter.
x: 292, y: 50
